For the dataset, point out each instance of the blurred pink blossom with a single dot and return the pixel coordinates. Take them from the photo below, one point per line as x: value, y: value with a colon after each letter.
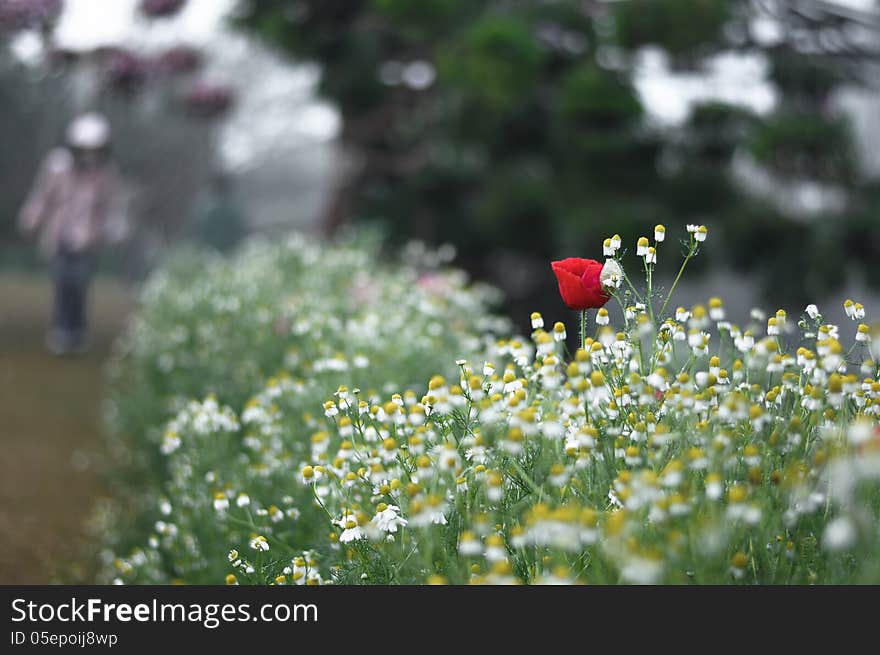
x: 28, y: 14
x: 208, y: 100
x: 161, y: 8
x: 179, y: 59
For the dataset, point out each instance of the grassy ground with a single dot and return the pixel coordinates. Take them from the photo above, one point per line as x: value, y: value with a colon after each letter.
x: 50, y: 439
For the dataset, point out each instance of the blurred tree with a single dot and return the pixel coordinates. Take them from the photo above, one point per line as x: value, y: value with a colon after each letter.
x: 686, y: 29
x: 512, y: 127
x: 806, y: 147
x: 474, y: 121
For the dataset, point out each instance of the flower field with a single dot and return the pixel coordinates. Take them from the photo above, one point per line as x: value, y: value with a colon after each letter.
x: 309, y: 414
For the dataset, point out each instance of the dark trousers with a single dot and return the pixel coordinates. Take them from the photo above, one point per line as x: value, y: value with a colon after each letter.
x: 71, y: 272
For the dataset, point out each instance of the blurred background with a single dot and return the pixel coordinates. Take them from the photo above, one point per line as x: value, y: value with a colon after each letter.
x: 519, y: 131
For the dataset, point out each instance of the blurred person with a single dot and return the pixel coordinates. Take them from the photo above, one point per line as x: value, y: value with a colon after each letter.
x: 71, y: 205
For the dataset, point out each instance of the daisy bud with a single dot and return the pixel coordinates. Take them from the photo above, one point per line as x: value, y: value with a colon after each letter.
x: 602, y: 317
x: 840, y: 534
x: 537, y: 321
x: 691, y: 229
x: 615, y: 242
x: 698, y: 340
x: 858, y: 311
x: 772, y: 327
x: 681, y: 314
x: 716, y: 309
x: 701, y: 233
x: 221, y: 502
x: 714, y: 486
x: 659, y: 233
x: 860, y: 432
x: 862, y: 334
x: 469, y: 545
x: 738, y: 564
x: 642, y: 246
x: 651, y: 255
x: 781, y: 317
x: 812, y: 311
x: 849, y: 307
x: 559, y: 331
x: 607, y: 249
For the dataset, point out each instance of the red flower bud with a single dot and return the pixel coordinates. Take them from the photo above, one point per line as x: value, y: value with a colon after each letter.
x: 579, y: 283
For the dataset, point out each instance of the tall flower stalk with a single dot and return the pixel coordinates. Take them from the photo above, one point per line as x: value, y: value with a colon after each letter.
x: 692, y: 249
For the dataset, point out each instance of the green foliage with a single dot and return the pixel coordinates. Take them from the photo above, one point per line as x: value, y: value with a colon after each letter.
x: 494, y: 66
x: 591, y: 98
x: 682, y: 27
x: 422, y: 19
x: 805, y: 144
x: 714, y: 130
x: 803, y: 79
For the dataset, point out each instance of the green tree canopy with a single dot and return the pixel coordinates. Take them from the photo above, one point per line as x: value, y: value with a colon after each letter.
x: 514, y: 125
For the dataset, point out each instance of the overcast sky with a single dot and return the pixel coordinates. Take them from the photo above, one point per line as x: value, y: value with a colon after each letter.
x: 87, y: 23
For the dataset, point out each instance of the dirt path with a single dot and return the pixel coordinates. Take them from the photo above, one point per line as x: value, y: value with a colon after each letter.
x: 49, y: 432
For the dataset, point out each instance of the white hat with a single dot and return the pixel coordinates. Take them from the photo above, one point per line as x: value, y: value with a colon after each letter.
x: 89, y: 132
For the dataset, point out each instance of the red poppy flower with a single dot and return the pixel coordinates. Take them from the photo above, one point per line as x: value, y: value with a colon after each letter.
x: 579, y: 283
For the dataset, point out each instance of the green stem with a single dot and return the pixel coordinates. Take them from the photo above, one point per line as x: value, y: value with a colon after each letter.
x: 528, y: 480
x: 583, y: 329
x: 632, y: 287
x: 622, y: 309
x: 677, y: 278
